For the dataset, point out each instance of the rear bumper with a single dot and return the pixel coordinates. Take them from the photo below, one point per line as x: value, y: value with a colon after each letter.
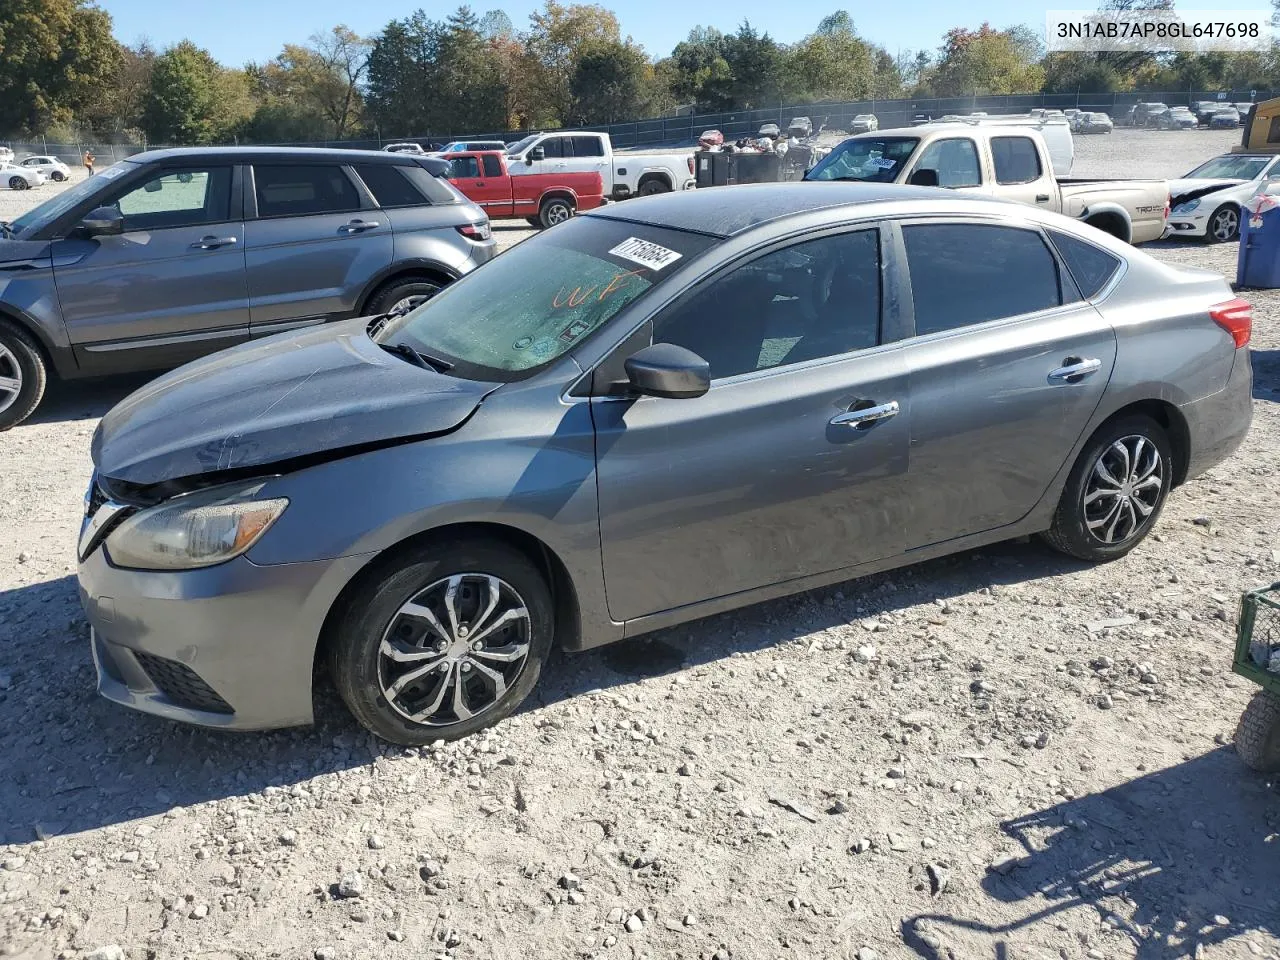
x: 1217, y: 425
x: 231, y: 646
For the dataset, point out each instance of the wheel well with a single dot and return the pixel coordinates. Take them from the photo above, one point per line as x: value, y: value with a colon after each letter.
x: 7, y: 319
x: 564, y: 195
x: 1111, y: 223
x: 1175, y: 427
x: 417, y: 273
x: 645, y: 178
x: 563, y: 594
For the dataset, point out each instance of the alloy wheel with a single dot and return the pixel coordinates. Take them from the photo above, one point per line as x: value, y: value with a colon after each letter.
x: 558, y: 213
x: 1123, y: 489
x: 405, y: 304
x: 10, y: 378
x: 453, y: 649
x: 1224, y: 225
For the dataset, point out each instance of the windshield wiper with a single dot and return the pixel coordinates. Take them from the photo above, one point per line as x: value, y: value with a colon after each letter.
x: 417, y: 357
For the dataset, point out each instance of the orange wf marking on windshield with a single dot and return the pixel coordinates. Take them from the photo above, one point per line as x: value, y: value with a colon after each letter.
x: 579, y: 296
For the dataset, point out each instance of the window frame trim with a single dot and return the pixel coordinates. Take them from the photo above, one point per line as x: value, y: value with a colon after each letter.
x: 1065, y: 281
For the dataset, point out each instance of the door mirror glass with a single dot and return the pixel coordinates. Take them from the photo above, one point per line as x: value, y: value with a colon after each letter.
x: 924, y: 177
x: 537, y: 153
x: 102, y: 222
x: 668, y: 370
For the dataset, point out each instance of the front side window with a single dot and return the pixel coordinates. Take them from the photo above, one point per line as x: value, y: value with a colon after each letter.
x: 178, y: 198
x: 553, y: 147
x: 869, y: 159
x: 956, y: 161
x: 304, y: 190
x: 464, y: 168
x: 962, y: 274
x: 1016, y: 160
x: 816, y: 299
x: 43, y: 215
x: 542, y: 298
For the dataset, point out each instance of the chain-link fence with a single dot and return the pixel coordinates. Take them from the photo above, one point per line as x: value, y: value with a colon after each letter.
x: 684, y: 130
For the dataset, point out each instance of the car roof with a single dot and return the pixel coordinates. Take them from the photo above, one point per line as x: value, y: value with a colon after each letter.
x: 725, y: 211
x: 251, y: 154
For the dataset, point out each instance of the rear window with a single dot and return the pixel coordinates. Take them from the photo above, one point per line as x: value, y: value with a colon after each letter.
x: 1016, y: 159
x: 587, y: 147
x: 464, y: 168
x: 296, y: 191
x: 389, y: 186
x: 1090, y: 267
x: 492, y: 168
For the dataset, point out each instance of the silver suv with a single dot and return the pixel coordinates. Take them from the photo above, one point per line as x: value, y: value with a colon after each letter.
x: 174, y: 254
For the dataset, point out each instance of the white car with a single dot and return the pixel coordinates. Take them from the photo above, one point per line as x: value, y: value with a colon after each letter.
x: 1207, y: 202
x: 53, y: 168
x: 19, y: 178
x: 413, y: 148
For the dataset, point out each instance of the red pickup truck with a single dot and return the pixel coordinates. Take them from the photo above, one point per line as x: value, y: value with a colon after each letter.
x: 544, y: 199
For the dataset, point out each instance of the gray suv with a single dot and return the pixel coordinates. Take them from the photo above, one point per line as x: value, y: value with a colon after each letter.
x: 174, y: 254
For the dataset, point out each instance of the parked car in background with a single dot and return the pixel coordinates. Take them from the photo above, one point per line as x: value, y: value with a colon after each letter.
x: 1208, y: 202
x: 53, y: 168
x: 1145, y: 114
x: 544, y: 199
x: 1094, y: 123
x: 769, y: 130
x: 1009, y: 163
x: 800, y: 128
x: 173, y: 254
x: 410, y: 148
x: 864, y: 123
x: 6, y: 153
x: 1243, y: 110
x: 16, y: 177
x: 469, y: 146
x: 1173, y: 118
x: 557, y: 447
x: 624, y: 175
x: 710, y: 139
x: 1225, y: 118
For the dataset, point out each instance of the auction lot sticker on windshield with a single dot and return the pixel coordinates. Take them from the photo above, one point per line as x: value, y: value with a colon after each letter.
x: 646, y: 254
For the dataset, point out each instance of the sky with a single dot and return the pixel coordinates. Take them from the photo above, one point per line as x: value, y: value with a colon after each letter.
x: 239, y: 31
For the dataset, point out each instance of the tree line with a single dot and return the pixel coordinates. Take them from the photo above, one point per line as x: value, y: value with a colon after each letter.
x: 64, y: 76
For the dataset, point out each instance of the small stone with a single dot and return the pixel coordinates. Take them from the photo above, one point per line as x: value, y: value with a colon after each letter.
x: 376, y: 842
x: 939, y: 878
x: 571, y: 881
x: 288, y: 838
x: 1105, y: 702
x: 615, y: 915
x: 109, y: 952
x: 610, y: 940
x: 861, y: 845
x: 1148, y: 676
x: 645, y: 914
x: 865, y: 653
x: 576, y: 897
x: 634, y: 924
x: 928, y: 843
x: 199, y: 911
x: 396, y: 935
x: 896, y: 773
x: 430, y: 869
x: 685, y: 770
x: 13, y: 863
x: 130, y: 856
x: 325, y: 953
x: 866, y: 953
x: 359, y: 916
x: 1202, y: 522
x: 350, y: 886
x: 838, y: 808
x: 1102, y: 663
x: 689, y: 920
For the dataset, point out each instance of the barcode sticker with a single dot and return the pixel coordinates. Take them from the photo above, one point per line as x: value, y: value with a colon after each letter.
x: 646, y: 254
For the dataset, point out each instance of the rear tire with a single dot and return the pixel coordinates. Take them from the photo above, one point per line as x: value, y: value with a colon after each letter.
x: 1258, y: 733
x: 1224, y: 225
x: 22, y: 376
x: 554, y: 211
x: 1115, y: 491
x: 653, y: 187
x: 18, y: 183
x: 405, y: 292
x: 391, y: 665
x: 58, y: 176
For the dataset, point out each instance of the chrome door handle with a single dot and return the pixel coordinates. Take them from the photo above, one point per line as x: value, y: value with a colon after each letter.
x: 1042, y: 198
x: 1074, y: 370
x: 358, y: 226
x: 865, y: 417
x: 212, y: 243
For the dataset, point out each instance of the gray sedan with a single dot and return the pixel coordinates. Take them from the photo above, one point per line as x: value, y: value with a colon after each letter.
x: 662, y: 410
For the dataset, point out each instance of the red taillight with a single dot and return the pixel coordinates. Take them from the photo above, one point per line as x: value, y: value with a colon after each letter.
x: 1168, y: 206
x: 476, y: 231
x: 690, y: 164
x: 1235, y: 317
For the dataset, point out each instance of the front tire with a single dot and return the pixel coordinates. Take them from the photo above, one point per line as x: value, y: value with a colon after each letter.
x: 554, y: 211
x: 18, y: 183
x: 1115, y: 491
x: 1224, y: 225
x: 398, y: 296
x: 442, y: 641
x: 1258, y: 733
x: 22, y: 376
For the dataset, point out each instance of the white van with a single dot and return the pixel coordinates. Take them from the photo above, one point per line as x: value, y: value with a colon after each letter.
x: 1056, y: 132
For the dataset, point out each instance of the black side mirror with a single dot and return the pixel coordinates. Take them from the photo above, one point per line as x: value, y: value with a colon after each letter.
x: 537, y: 153
x: 924, y: 177
x: 102, y: 222
x: 666, y: 370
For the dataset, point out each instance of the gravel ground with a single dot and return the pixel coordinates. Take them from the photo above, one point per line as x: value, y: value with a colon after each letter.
x: 1000, y: 754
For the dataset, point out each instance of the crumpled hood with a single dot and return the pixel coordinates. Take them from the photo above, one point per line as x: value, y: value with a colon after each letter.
x: 1181, y: 190
x: 289, y: 396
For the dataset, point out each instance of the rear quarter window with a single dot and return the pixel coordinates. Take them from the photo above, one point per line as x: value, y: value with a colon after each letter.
x: 389, y: 185
x: 1090, y: 267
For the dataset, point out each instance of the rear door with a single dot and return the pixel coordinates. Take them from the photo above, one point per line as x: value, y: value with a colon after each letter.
x: 1020, y: 173
x: 588, y: 155
x: 1006, y: 368
x: 313, y: 240
x: 792, y: 465
x: 172, y: 286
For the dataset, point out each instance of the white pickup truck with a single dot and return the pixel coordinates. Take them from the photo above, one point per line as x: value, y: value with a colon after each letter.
x: 624, y: 174
x: 1003, y: 162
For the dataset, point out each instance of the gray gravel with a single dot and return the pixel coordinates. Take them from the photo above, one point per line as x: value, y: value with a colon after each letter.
x: 954, y: 790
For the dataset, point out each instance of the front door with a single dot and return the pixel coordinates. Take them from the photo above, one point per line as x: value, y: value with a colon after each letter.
x: 313, y: 247
x: 793, y: 464
x: 956, y: 162
x: 995, y: 406
x: 167, y: 290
